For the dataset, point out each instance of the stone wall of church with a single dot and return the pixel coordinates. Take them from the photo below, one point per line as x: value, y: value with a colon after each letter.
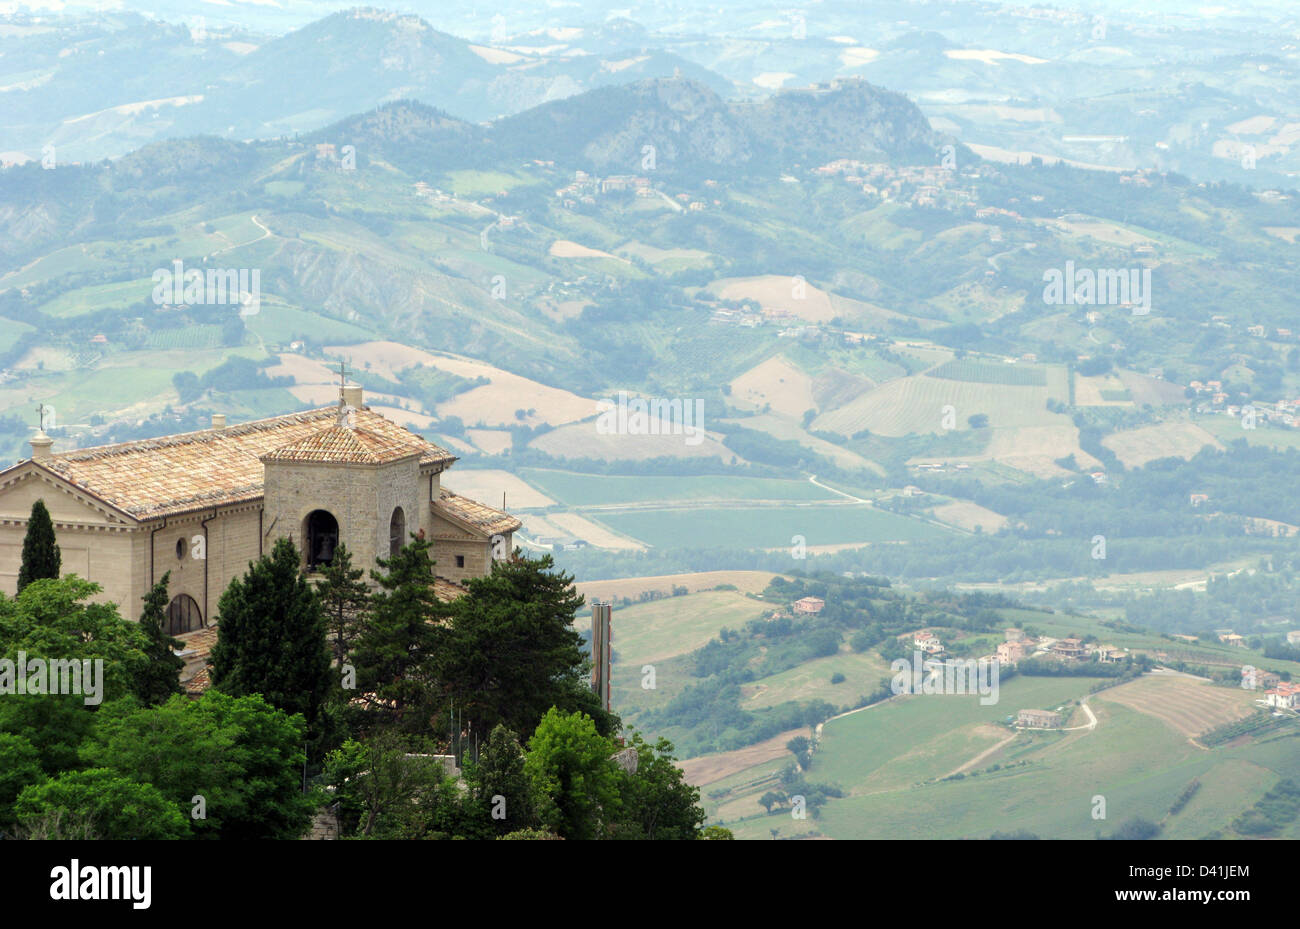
x: 92, y: 544
x: 177, y: 550
x: 458, y: 554
x: 361, y: 498
x: 476, y: 556
x: 295, y: 489
x: 233, y: 542
x: 399, y: 485
x: 203, y: 563
x: 104, y: 556
x: 430, y: 484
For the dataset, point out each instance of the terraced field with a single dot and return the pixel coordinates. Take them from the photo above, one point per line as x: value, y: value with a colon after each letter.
x: 1186, y: 704
x: 988, y: 372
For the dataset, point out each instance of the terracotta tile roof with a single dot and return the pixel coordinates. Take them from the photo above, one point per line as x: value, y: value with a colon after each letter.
x: 488, y: 520
x: 195, y: 470
x: 448, y: 590
x: 195, y: 648
x: 197, y: 644
x: 199, y: 683
x: 349, y: 442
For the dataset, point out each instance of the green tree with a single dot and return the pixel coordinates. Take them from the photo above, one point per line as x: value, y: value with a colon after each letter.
x: 344, y: 598
x: 52, y: 619
x: 530, y: 835
x: 187, y: 386
x: 402, y: 631
x: 159, y: 676
x: 41, y: 557
x: 240, y: 755
x: 655, y: 800
x: 385, y: 791
x: 55, y: 726
x: 1136, y: 828
x: 498, y: 781
x: 575, y: 785
x: 271, y: 639
x: 20, y: 766
x: 511, y: 652
x: 716, y: 832
x: 110, y: 806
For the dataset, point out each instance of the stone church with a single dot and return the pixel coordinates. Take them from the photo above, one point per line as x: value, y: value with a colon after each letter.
x: 202, y: 505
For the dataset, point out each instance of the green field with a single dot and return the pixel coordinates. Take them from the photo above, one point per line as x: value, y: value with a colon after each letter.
x: 11, y: 331
x: 1228, y: 429
x: 811, y: 680
x: 283, y: 188
x: 192, y: 337
x: 919, y: 404
x: 767, y: 527
x: 597, y: 489
x: 98, y: 297
x: 672, y: 626
x: 888, y: 759
x: 867, y: 747
x: 278, y: 322
x: 988, y: 372
x: 481, y: 183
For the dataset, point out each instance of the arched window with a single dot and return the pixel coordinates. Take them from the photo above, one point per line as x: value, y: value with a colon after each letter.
x: 321, y: 533
x: 396, y: 532
x: 183, y: 615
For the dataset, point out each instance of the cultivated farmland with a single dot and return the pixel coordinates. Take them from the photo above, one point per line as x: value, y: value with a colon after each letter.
x: 916, y: 405
x: 1186, y: 704
x: 767, y: 527
x: 1135, y: 447
x: 661, y: 629
x: 583, y: 490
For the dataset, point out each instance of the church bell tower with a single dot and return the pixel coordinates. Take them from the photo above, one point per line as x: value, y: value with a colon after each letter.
x: 347, y: 482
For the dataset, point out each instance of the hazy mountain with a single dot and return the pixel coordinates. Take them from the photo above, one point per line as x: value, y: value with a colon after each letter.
x: 104, y: 85
x: 690, y: 127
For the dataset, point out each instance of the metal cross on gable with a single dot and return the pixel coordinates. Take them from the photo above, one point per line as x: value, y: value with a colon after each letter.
x: 343, y: 378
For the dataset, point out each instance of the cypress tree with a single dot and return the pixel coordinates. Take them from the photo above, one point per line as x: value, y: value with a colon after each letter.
x: 159, y: 677
x: 41, y: 557
x: 271, y: 637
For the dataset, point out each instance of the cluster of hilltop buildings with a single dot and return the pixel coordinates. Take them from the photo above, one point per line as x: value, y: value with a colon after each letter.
x: 1019, y: 646
x: 1279, y: 694
x: 926, y: 186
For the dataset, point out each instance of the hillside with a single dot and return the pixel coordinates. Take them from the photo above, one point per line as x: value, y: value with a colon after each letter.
x: 777, y: 703
x: 854, y: 316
